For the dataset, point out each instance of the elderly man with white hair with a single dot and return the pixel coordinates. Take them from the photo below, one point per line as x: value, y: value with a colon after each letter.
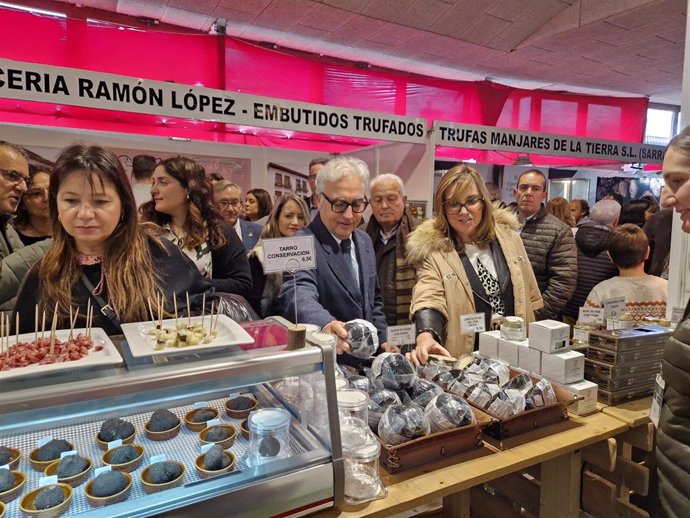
x: 388, y: 227
x: 593, y: 262
x: 344, y: 285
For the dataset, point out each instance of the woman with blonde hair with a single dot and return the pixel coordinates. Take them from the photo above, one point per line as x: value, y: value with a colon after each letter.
x: 289, y: 215
x: 469, y: 259
x: 100, y: 252
x: 560, y: 208
x: 182, y: 204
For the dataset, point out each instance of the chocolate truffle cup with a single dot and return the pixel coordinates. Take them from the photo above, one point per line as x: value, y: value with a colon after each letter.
x: 74, y: 480
x: 15, y: 456
x: 27, y: 504
x: 197, y: 427
x: 41, y: 465
x: 126, y: 467
x: 225, y: 443
x: 150, y: 487
x: 101, y: 501
x: 12, y: 493
x: 205, y: 473
x: 239, y: 413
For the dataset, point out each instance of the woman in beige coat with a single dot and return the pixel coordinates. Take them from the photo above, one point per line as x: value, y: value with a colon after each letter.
x: 469, y: 259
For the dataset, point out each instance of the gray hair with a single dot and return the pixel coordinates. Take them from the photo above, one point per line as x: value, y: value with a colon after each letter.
x: 605, y: 212
x: 342, y: 167
x: 681, y: 142
x: 221, y: 185
x: 388, y: 177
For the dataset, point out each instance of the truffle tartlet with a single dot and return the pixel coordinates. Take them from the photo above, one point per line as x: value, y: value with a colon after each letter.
x: 240, y: 407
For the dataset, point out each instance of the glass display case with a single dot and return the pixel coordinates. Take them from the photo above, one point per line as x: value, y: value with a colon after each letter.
x: 73, y: 404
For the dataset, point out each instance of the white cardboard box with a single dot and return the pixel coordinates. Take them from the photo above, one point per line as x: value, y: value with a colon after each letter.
x: 567, y: 367
x: 549, y: 336
x: 488, y: 344
x: 587, y: 390
x: 508, y: 350
x: 529, y: 359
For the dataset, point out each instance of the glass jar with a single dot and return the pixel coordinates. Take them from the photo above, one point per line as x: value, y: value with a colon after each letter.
x: 353, y: 403
x: 513, y: 328
x: 269, y: 436
x: 581, y: 334
x: 353, y: 412
x: 362, y: 480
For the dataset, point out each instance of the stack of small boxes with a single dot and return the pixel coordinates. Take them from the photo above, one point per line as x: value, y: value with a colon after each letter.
x: 624, y: 363
x: 546, y: 353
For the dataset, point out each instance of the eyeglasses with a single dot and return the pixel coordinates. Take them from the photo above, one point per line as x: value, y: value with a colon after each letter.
x: 224, y: 204
x: 15, y: 177
x: 38, y: 192
x: 454, y: 207
x: 340, y: 206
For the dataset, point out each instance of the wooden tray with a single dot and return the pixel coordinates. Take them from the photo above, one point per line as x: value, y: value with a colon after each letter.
x: 435, y: 446
x: 531, y: 419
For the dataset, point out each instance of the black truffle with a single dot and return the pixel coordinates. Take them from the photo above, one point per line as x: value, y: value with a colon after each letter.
x: 114, y: 429
x: 402, y: 423
x: 49, y: 497
x: 162, y: 420
x: 393, y: 371
x: 448, y: 411
x: 363, y: 342
x: 269, y: 447
x: 379, y: 401
x: 108, y: 483
x: 215, y: 458
x: 5, y: 455
x: 6, y: 480
x: 360, y: 383
x: 71, y: 465
x: 163, y: 472
x: 241, y: 403
x: 124, y: 454
x: 202, y: 415
x: 423, y: 391
x: 52, y: 450
x: 217, y: 434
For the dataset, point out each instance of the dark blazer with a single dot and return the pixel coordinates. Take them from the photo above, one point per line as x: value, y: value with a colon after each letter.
x: 250, y: 234
x: 230, y: 266
x: 329, y: 293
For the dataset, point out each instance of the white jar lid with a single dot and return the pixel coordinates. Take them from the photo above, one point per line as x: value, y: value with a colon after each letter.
x: 269, y: 420
x: 352, y: 399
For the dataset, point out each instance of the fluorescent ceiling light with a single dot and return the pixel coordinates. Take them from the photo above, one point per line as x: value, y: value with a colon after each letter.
x: 33, y: 10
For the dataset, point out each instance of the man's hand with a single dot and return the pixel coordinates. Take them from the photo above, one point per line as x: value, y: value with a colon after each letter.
x: 426, y: 345
x: 338, y: 329
x: 390, y: 348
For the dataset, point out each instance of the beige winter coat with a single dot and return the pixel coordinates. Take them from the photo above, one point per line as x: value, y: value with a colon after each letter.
x: 443, y: 285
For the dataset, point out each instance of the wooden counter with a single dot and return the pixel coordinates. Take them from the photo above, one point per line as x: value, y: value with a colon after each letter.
x: 634, y: 413
x: 555, y: 447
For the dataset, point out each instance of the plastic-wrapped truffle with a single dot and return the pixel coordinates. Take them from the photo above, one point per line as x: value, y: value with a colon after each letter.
x: 52, y: 450
x: 217, y: 434
x: 108, y: 483
x: 360, y: 383
x: 162, y: 420
x: 6, y: 480
x: 163, y: 472
x: 422, y: 392
x: 114, y: 429
x: 71, y: 465
x: 541, y: 394
x: 505, y: 404
x: 392, y: 371
x: 446, y: 378
x: 432, y: 369
x: 482, y: 394
x: 362, y: 338
x: 448, y: 411
x: 401, y: 423
x: 202, y: 415
x: 49, y: 497
x: 5, y: 455
x: 124, y: 454
x: 215, y: 458
x: 464, y: 383
x: 491, y: 371
x: 522, y: 383
x: 379, y: 401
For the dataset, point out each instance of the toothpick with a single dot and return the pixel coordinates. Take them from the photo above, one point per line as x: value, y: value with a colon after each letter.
x: 71, y: 330
x: 88, y: 312
x: 74, y: 322
x: 210, y: 326
x: 2, y: 332
x: 175, y: 304
x: 217, y: 316
x: 203, y: 309
x: 53, y: 327
x: 43, y: 325
x: 161, y: 307
x: 16, y: 329
x: 36, y: 324
x: 153, y: 318
x: 189, y: 311
x: 90, y: 319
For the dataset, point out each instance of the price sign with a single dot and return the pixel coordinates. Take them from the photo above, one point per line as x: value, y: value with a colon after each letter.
x: 677, y: 314
x: 614, y: 307
x: 472, y: 323
x: 591, y: 315
x: 289, y: 254
x: 400, y: 335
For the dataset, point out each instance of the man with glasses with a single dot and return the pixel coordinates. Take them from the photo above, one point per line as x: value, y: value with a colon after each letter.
x: 344, y: 285
x: 228, y: 199
x: 549, y: 243
x: 16, y: 258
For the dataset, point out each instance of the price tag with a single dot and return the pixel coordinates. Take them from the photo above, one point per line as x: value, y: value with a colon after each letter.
x: 400, y: 335
x: 472, y: 323
x: 102, y: 469
x: 205, y: 447
x: 657, y: 400
x: 47, y: 481
x: 67, y: 453
x: 114, y: 444
x: 233, y: 395
x: 614, y: 307
x: 591, y: 315
x: 201, y: 404
x: 580, y: 335
x: 289, y: 254
x: 158, y: 458
x: 212, y: 422
x: 5, y: 466
x: 44, y: 441
x: 677, y: 314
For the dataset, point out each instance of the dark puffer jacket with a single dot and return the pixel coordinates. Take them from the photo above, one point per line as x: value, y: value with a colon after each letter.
x: 552, y: 251
x: 593, y: 263
x: 673, y: 435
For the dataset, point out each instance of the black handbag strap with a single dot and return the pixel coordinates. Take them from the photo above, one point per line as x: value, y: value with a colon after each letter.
x: 105, y: 308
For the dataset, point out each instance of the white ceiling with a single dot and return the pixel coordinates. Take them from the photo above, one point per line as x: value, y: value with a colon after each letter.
x: 591, y: 46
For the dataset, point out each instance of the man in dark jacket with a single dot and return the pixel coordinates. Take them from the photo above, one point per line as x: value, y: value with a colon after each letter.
x: 388, y: 228
x: 673, y: 436
x: 658, y: 230
x: 549, y: 244
x: 593, y: 262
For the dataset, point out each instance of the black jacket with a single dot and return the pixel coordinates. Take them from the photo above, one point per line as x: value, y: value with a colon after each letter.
x: 658, y: 230
x: 593, y: 263
x: 231, y: 272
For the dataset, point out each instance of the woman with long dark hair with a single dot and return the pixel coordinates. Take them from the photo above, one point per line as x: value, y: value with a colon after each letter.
x: 258, y: 206
x: 32, y: 222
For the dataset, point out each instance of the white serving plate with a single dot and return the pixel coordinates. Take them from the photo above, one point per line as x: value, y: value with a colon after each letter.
x: 141, y: 343
x: 107, y: 356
